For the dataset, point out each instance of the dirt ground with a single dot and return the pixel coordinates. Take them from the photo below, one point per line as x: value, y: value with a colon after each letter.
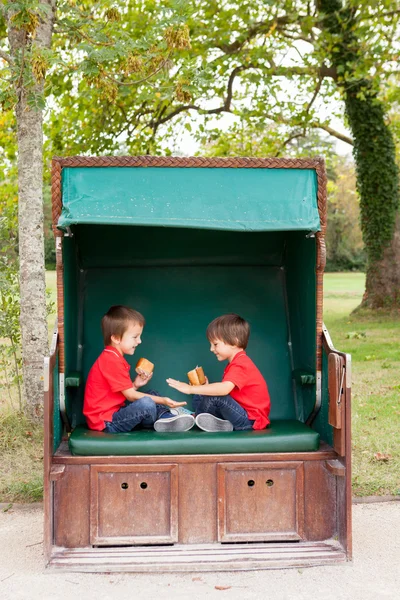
x: 374, y: 573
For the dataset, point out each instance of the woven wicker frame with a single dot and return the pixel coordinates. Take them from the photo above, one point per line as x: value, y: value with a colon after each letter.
x: 318, y: 164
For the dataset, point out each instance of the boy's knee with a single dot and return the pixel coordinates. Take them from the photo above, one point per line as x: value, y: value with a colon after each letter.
x: 146, y: 405
x: 206, y: 403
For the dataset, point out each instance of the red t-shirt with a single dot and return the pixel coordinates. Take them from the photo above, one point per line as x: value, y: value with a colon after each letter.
x: 103, y: 392
x: 250, y: 390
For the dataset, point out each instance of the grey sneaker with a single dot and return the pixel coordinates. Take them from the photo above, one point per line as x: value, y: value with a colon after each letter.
x: 208, y: 422
x: 175, y: 423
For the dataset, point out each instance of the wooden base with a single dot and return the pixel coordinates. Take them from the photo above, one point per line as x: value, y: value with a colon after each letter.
x: 197, y: 512
x: 198, y: 558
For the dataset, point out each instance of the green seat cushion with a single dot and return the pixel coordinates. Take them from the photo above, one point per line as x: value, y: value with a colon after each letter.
x: 280, y: 436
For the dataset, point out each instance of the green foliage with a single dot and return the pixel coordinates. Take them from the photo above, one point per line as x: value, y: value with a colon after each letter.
x: 101, y: 51
x: 344, y: 244
x: 10, y: 334
x: 374, y: 148
x: 121, y: 72
x: 246, y: 139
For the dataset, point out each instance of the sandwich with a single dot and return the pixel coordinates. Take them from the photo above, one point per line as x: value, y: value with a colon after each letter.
x: 196, y: 376
x: 144, y: 367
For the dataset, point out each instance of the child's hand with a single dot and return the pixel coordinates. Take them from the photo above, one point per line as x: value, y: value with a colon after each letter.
x: 172, y: 404
x: 185, y: 388
x: 142, y: 379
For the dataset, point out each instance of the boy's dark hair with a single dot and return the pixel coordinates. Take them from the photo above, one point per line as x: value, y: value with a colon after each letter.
x: 230, y: 329
x: 116, y: 321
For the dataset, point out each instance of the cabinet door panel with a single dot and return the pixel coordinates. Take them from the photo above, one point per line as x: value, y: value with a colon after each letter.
x: 260, y: 502
x: 134, y: 504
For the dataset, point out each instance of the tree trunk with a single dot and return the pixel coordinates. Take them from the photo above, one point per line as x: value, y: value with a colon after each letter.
x: 382, y: 288
x: 375, y: 157
x: 378, y: 186
x: 30, y: 218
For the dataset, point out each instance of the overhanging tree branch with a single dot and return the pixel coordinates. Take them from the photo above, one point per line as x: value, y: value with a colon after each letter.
x: 333, y: 132
x: 316, y: 92
x: 6, y: 57
x: 275, y: 71
x: 138, y: 81
x: 390, y: 13
x: 262, y: 27
x: 290, y: 139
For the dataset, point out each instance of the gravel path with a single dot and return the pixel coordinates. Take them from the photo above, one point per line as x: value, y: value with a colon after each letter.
x: 374, y: 573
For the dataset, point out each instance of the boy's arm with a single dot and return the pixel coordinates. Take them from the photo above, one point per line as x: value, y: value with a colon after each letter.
x: 132, y: 394
x: 222, y: 388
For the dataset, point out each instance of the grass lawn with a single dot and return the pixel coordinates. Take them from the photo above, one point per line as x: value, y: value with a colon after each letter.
x: 374, y: 344
x: 372, y: 340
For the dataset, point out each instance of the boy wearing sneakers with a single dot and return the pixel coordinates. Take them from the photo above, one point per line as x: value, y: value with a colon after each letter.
x: 112, y: 401
x: 241, y: 400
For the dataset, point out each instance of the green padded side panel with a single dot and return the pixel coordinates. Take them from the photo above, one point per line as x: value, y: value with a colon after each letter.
x: 281, y: 436
x: 321, y: 422
x: 299, y: 264
x: 57, y: 421
x: 230, y: 199
x: 71, y: 308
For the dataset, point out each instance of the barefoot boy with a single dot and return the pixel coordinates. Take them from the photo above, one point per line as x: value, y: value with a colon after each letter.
x: 241, y: 400
x: 112, y: 402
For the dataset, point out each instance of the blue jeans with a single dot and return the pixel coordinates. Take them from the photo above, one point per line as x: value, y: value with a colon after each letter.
x: 223, y: 407
x: 144, y: 412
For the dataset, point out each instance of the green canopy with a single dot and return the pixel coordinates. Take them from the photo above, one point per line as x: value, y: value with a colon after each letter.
x: 207, y: 198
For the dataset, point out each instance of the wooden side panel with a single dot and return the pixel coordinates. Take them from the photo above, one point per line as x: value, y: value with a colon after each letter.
x: 320, y: 510
x: 197, y: 503
x: 344, y: 497
x: 71, y: 507
x: 49, y: 365
x: 260, y: 502
x: 134, y: 504
x: 335, y: 383
x: 342, y: 445
x: 337, y: 403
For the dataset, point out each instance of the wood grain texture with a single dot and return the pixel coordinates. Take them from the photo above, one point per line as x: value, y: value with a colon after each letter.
x: 344, y: 484
x: 197, y: 503
x: 320, y: 505
x: 71, y: 508
x: 260, y: 502
x: 64, y: 456
x: 335, y: 388
x: 199, y: 558
x: 335, y: 467
x: 133, y: 504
